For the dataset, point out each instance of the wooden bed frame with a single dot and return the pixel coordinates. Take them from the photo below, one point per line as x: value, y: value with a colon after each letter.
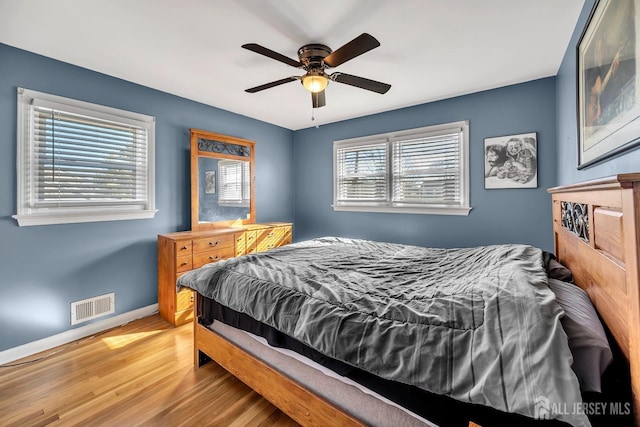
x: 596, y: 225
x: 597, y: 235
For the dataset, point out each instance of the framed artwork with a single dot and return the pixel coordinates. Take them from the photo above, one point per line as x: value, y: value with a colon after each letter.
x: 511, y: 161
x: 210, y: 182
x: 607, y: 68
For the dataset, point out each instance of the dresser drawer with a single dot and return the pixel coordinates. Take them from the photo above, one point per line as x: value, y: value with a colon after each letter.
x: 183, y: 247
x: 263, y: 237
x: 246, y: 243
x: 241, y: 243
x: 251, y: 238
x: 287, y: 235
x: 184, y: 300
x: 183, y: 263
x: 214, y: 242
x: 202, y: 258
x: 271, y: 238
x: 241, y: 239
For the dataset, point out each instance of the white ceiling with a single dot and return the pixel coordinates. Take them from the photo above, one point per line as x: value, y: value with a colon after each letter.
x: 430, y: 49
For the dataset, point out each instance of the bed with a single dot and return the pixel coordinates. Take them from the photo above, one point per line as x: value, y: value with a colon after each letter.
x: 606, y: 209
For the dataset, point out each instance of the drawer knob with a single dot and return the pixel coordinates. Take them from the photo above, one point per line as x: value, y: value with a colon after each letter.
x: 214, y: 258
x: 216, y: 243
x: 184, y: 248
x: 184, y: 263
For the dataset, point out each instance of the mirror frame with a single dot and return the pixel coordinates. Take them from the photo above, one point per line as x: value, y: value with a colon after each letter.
x: 197, y: 134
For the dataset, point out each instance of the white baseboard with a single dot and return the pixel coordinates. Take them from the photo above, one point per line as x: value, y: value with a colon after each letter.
x: 34, y: 347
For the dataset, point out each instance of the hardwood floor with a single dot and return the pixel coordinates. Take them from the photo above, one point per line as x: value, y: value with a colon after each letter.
x: 138, y: 374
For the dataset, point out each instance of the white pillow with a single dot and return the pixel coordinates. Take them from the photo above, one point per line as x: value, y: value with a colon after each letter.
x: 587, y: 339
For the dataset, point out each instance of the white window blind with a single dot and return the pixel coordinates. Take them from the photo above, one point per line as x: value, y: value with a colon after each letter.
x: 235, y: 183
x: 362, y: 173
x: 84, y: 161
x: 415, y: 171
x: 426, y: 170
x: 80, y: 162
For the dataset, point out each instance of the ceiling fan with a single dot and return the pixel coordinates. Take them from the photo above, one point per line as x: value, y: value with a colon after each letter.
x: 315, y: 59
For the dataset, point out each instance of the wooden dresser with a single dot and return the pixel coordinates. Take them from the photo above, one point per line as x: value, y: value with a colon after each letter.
x: 187, y: 250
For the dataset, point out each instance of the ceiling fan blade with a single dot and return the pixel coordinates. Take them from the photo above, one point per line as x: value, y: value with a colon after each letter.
x: 318, y: 99
x: 272, y: 84
x: 271, y: 54
x: 361, y: 44
x: 360, y: 82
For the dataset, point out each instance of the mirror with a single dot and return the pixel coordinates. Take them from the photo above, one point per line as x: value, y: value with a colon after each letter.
x: 222, y: 181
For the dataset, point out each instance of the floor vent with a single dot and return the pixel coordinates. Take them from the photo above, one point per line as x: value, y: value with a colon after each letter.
x: 91, y: 308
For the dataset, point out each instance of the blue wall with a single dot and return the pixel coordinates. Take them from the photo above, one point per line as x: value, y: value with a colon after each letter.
x: 44, y: 268
x: 568, y: 172
x: 498, y: 216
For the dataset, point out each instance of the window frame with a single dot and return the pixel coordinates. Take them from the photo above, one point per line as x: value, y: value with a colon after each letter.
x: 28, y: 214
x: 389, y: 206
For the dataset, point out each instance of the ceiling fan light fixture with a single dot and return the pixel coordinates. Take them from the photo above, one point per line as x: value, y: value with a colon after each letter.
x: 315, y: 81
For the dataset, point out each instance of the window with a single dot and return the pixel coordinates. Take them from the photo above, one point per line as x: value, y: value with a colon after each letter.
x: 81, y: 162
x: 235, y: 181
x: 422, y: 170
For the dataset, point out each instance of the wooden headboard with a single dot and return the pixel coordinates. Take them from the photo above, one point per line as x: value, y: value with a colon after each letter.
x: 596, y: 226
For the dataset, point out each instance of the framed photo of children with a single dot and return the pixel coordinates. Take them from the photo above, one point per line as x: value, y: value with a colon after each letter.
x: 608, y: 84
x: 511, y: 161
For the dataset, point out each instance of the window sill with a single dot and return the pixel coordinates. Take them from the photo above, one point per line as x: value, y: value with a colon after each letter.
x: 71, y: 218
x: 233, y: 205
x: 405, y: 210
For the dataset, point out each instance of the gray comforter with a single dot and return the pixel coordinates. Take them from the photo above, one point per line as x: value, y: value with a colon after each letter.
x: 477, y: 324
